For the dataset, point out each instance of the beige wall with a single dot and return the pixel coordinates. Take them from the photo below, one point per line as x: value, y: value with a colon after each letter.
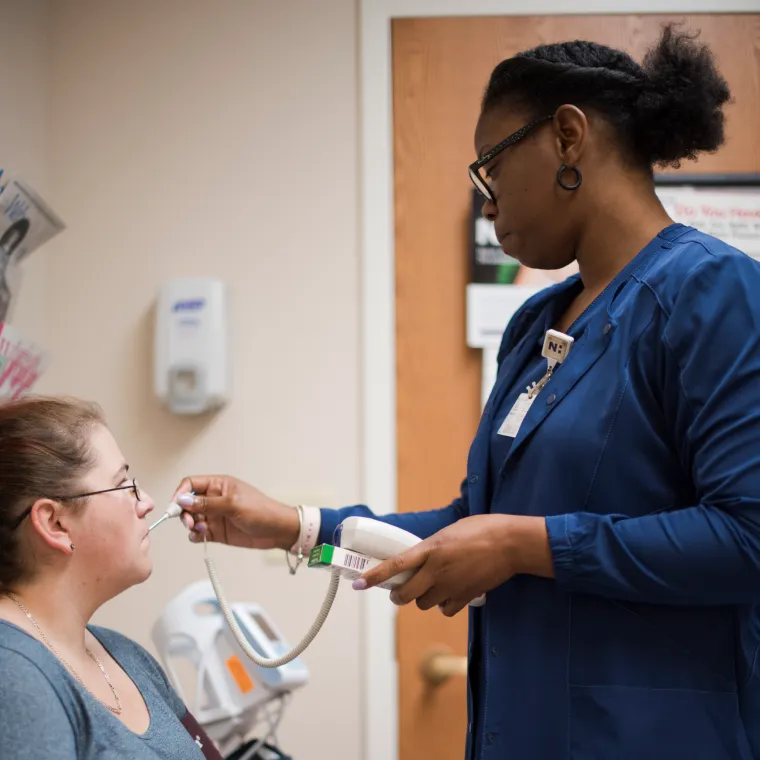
x: 189, y: 137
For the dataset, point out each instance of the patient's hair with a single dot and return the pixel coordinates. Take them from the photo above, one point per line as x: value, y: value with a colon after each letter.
x: 44, y: 452
x: 665, y: 110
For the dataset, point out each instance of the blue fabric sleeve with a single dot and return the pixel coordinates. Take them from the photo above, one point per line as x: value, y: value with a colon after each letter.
x: 708, y: 553
x: 422, y: 524
x: 33, y: 722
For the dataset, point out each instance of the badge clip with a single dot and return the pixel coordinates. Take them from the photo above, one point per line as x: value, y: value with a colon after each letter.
x: 557, y: 346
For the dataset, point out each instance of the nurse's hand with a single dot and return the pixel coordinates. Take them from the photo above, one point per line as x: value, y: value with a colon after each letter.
x: 466, y: 559
x: 230, y: 511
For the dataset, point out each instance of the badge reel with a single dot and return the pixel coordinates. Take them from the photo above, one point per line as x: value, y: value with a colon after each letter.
x: 557, y: 346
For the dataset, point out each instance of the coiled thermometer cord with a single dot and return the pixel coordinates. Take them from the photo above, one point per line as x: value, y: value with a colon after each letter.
x: 175, y: 510
x: 267, y: 662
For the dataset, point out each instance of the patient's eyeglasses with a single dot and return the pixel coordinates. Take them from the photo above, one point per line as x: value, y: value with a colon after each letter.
x: 130, y: 487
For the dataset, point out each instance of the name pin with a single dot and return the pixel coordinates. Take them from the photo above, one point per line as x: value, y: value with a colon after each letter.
x: 557, y: 346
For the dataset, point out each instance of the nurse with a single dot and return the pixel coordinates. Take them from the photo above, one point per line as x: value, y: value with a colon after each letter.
x: 611, y: 507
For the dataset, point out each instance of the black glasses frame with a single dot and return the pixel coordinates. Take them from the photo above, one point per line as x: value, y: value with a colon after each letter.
x: 132, y: 487
x: 481, y: 184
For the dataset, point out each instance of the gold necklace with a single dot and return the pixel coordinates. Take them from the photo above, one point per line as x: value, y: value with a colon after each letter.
x: 115, y: 710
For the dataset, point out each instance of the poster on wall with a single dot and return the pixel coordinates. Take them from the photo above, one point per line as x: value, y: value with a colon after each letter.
x: 731, y: 214
x: 21, y: 363
x: 26, y: 223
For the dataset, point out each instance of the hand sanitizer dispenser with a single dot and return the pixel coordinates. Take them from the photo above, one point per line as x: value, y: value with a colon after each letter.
x: 191, y: 363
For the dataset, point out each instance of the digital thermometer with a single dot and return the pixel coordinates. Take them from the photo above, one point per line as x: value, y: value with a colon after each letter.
x: 361, y: 544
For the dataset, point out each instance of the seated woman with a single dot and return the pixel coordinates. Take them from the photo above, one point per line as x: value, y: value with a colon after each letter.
x: 72, y: 537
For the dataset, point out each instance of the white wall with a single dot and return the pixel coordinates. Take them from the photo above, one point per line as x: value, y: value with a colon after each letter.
x: 194, y: 137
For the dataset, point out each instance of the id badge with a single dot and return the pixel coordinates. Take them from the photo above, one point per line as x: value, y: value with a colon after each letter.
x: 511, y: 425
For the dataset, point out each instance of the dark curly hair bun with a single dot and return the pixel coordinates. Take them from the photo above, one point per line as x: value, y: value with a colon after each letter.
x: 666, y: 109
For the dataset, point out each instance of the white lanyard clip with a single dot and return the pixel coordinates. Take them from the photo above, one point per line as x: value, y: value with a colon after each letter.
x: 557, y: 346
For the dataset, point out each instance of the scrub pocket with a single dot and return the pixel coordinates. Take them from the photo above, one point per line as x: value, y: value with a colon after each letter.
x: 642, y: 686
x: 630, y: 723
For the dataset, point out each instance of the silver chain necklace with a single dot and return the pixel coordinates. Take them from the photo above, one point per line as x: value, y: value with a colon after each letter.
x: 115, y: 710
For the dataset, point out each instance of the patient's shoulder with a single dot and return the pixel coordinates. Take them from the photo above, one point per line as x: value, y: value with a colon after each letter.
x: 30, y: 688
x: 25, y: 663
x: 27, y: 672
x: 24, y: 672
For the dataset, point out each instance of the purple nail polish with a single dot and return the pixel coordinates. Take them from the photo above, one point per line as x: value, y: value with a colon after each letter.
x: 359, y: 584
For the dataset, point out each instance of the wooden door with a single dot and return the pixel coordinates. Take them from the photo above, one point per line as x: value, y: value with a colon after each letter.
x: 440, y: 68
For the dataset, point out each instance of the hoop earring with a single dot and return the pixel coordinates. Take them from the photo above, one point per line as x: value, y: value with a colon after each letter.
x: 72, y: 548
x: 578, y: 177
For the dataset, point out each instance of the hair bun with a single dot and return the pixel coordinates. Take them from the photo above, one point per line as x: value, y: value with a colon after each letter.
x: 679, y: 112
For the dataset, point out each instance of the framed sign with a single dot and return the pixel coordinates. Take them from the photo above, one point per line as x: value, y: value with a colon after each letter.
x: 726, y: 206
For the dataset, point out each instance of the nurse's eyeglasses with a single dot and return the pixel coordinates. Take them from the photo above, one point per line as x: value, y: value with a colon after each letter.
x: 476, y: 169
x: 132, y: 486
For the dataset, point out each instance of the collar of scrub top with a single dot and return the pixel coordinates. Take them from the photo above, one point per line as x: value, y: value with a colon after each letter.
x: 595, y: 338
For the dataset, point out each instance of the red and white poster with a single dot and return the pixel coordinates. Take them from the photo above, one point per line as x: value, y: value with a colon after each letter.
x: 21, y: 363
x: 730, y: 215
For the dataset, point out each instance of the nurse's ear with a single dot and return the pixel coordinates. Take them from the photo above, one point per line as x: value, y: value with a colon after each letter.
x: 571, y: 134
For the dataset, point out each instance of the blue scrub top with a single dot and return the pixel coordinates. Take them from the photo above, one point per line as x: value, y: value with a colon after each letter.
x: 535, y: 368
x: 642, y: 456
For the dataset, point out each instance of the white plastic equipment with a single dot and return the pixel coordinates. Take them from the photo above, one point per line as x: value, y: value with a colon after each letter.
x: 231, y: 695
x: 373, y: 538
x: 191, y: 352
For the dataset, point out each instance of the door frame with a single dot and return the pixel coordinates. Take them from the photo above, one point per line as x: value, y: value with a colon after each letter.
x: 377, y: 287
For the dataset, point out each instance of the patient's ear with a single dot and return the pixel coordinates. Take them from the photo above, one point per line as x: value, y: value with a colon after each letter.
x: 46, y: 518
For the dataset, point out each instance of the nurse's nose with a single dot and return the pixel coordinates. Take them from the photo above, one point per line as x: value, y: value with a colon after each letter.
x: 490, y: 211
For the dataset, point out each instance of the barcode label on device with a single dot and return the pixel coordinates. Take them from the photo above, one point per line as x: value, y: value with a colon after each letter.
x: 355, y: 561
